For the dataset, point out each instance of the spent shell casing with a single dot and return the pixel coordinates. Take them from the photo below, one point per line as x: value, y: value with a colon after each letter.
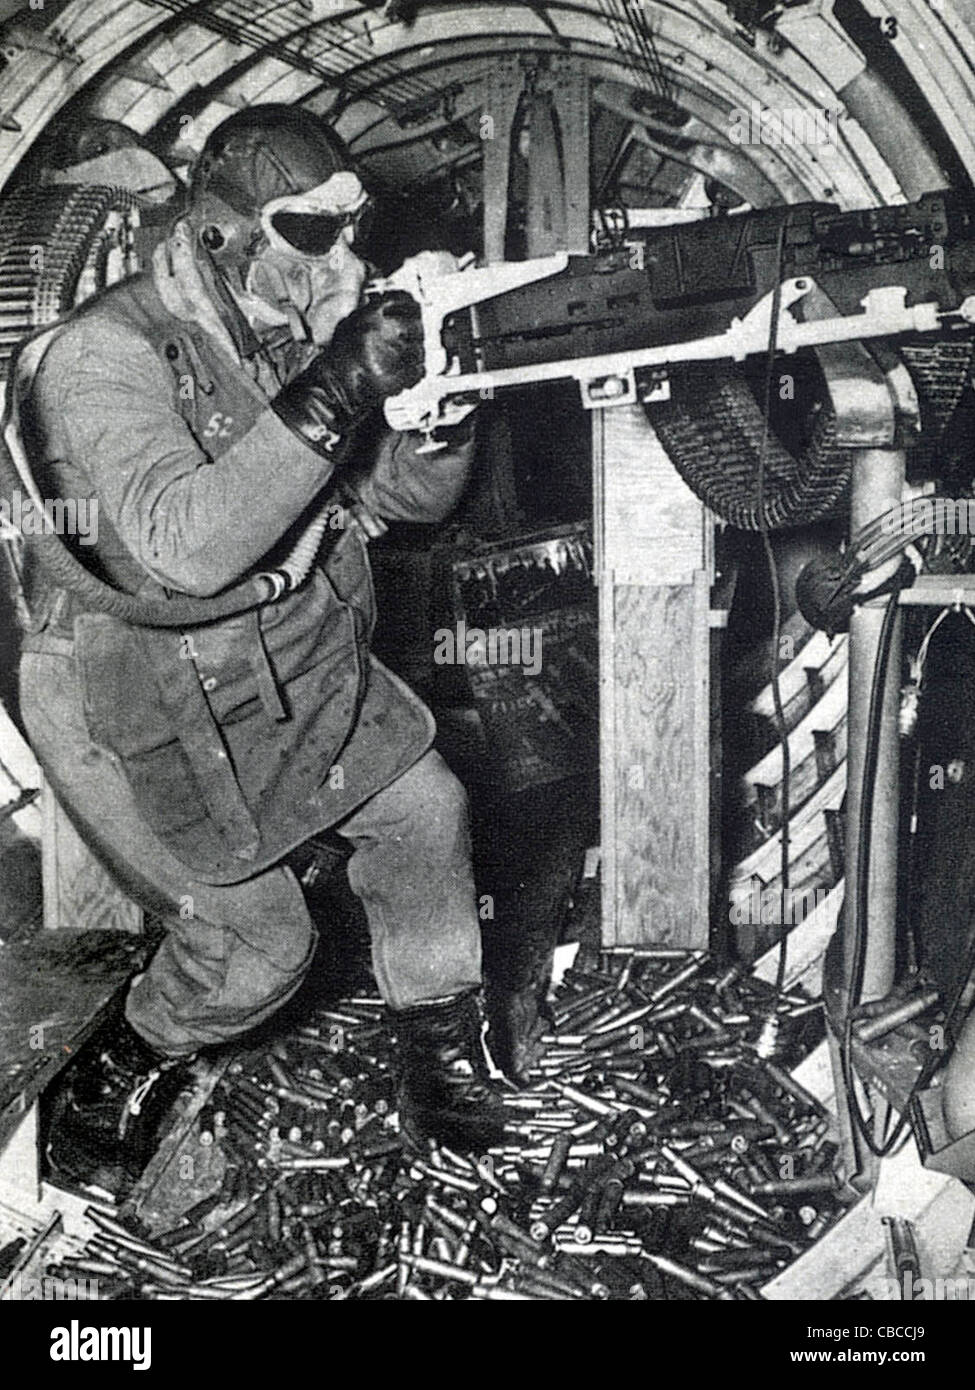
x: 683, y: 1275
x: 422, y: 1265
x: 555, y: 1163
x: 784, y: 1187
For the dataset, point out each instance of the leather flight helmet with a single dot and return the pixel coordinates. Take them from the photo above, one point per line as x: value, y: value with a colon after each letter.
x: 251, y: 159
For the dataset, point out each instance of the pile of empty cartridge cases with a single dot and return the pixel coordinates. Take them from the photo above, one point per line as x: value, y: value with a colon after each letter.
x: 656, y: 1153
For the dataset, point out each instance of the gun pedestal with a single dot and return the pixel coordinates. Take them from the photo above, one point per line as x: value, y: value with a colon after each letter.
x: 877, y: 483
x: 872, y: 419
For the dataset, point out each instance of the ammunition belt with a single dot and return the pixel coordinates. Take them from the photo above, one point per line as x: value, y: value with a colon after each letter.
x: 712, y: 429
x: 940, y: 371
x: 54, y: 252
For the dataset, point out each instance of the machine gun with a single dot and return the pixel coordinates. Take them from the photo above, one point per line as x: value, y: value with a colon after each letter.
x: 794, y: 276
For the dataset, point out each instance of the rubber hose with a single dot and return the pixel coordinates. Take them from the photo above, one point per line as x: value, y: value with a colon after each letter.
x: 61, y: 566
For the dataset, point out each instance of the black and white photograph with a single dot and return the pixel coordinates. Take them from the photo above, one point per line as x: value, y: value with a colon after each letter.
x: 487, y: 667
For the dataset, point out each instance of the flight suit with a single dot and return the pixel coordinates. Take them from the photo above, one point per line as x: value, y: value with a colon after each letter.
x: 194, y: 761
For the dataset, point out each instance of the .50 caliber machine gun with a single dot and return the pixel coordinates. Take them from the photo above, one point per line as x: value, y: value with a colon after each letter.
x: 794, y: 276
x: 714, y: 293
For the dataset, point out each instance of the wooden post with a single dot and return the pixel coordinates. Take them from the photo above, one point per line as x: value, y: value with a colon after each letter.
x: 653, y: 568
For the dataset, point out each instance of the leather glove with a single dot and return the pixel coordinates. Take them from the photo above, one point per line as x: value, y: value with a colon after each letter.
x: 376, y: 352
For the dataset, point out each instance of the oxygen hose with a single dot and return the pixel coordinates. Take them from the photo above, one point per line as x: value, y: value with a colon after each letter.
x: 296, y: 568
x: 62, y: 567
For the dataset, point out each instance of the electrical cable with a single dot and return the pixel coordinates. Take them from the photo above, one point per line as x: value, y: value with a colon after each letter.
x: 859, y: 900
x: 634, y: 40
x: 917, y: 516
x: 829, y: 588
x: 647, y: 44
x: 289, y: 44
x: 5, y: 772
x: 860, y: 887
x: 768, y: 1038
x: 907, y: 724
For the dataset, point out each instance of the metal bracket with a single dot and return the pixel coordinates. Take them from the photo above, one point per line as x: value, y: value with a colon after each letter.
x: 872, y: 407
x: 503, y: 89
x: 607, y: 378
x: 558, y: 203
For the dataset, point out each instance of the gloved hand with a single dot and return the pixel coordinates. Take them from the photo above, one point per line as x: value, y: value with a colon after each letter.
x: 376, y: 352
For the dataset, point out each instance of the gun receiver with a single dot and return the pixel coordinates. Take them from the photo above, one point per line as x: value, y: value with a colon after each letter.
x: 615, y: 320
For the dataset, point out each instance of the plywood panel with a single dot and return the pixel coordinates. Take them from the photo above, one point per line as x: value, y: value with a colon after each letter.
x: 660, y: 765
x: 652, y: 523
x: 654, y: 690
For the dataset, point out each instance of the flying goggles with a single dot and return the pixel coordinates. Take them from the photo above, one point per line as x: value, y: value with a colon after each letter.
x: 311, y: 223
